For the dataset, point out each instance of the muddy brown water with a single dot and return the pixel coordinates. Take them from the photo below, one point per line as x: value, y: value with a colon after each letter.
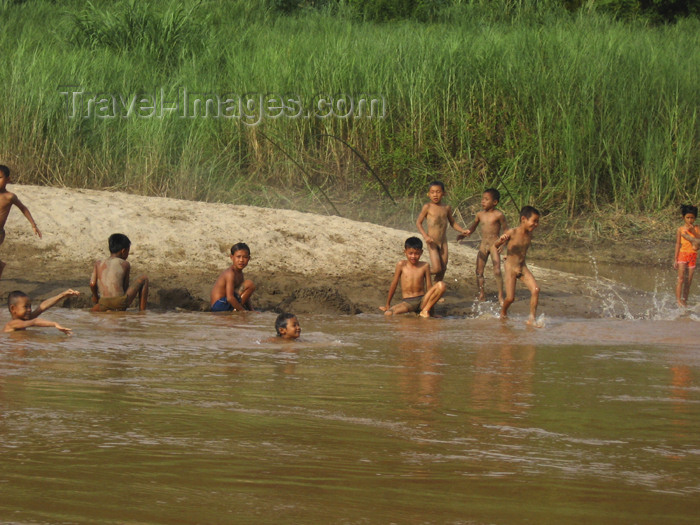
x: 190, y: 417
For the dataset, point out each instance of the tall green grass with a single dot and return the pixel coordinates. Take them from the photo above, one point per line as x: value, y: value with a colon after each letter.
x: 571, y: 113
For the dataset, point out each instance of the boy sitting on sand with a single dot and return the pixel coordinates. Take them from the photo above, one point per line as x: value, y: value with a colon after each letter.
x: 518, y: 240
x: 109, y: 281
x: 20, y: 306
x: 232, y: 290
x: 7, y: 199
x: 415, y: 280
x: 287, y: 326
x: 492, y: 223
x: 438, y: 216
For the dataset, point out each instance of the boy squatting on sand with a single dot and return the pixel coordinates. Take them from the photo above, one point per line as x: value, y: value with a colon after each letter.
x: 415, y: 280
x: 438, y: 216
x: 232, y: 290
x: 518, y: 240
x: 109, y: 281
x: 7, y: 199
x: 492, y: 223
x: 20, y: 306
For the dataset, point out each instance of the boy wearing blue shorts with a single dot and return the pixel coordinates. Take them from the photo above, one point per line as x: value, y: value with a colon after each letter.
x: 232, y: 290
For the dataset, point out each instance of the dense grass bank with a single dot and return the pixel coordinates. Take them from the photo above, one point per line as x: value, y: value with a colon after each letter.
x: 571, y: 112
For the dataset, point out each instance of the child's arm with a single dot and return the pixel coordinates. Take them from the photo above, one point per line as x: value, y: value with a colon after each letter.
x: 26, y: 213
x: 419, y: 223
x: 428, y: 281
x: 503, y: 239
x: 504, y: 222
x: 230, y: 297
x: 453, y: 223
x: 48, y: 303
x: 392, y: 288
x: 678, y: 247
x: 18, y: 324
x: 127, y: 272
x: 694, y: 241
x: 471, y: 229
x: 93, y: 284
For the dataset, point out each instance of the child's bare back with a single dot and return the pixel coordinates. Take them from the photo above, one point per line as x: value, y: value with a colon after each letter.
x: 109, y: 281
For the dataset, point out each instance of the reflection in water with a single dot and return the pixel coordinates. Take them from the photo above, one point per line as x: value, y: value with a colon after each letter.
x: 419, y: 372
x: 503, y: 375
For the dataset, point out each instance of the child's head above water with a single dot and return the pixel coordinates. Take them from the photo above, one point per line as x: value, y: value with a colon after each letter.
x: 18, y: 304
x: 689, y: 209
x: 118, y: 242
x: 287, y: 326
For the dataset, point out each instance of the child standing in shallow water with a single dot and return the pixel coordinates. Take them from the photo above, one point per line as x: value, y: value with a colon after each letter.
x: 686, y: 253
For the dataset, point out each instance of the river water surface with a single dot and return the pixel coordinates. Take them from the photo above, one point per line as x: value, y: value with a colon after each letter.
x: 199, y: 418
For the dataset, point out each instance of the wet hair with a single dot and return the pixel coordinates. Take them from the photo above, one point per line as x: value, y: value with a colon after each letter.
x: 118, y: 242
x: 14, y: 297
x: 281, y: 321
x: 413, y: 242
x: 5, y: 170
x: 495, y: 194
x: 689, y: 208
x: 240, y: 246
x: 437, y: 183
x: 529, y: 211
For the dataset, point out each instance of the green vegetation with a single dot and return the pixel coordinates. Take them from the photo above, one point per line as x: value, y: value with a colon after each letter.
x: 573, y: 111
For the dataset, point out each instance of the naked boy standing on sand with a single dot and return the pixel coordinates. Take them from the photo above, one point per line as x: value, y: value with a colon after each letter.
x: 438, y: 216
x: 109, y: 281
x: 518, y: 240
x: 492, y: 223
x: 232, y: 290
x: 7, y: 199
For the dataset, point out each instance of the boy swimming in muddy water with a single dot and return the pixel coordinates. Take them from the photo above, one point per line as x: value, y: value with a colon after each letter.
x: 438, y: 217
x: 517, y: 241
x: 109, y: 281
x: 419, y: 294
x: 232, y: 291
x: 492, y: 223
x: 686, y: 253
x: 287, y: 326
x: 20, y: 306
x: 7, y: 200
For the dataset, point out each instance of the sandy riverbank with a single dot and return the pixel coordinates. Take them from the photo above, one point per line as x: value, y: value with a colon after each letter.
x: 302, y: 262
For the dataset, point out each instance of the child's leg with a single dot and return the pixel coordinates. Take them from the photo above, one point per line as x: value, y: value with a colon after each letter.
x: 140, y: 288
x: 509, y: 283
x: 246, y: 290
x: 400, y: 308
x: 431, y: 297
x: 439, y: 276
x: 480, y: 265
x: 680, y: 283
x: 496, y: 260
x: 688, y: 281
x: 435, y: 260
x: 2, y: 267
x: 529, y: 281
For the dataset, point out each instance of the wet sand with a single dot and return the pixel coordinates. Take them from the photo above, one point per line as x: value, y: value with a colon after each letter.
x: 301, y: 262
